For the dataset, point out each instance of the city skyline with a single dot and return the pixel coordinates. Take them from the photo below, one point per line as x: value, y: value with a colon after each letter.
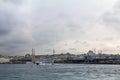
x: 74, y: 26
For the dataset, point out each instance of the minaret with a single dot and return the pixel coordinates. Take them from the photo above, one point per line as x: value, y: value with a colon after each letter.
x: 53, y: 57
x: 53, y: 52
x: 33, y: 55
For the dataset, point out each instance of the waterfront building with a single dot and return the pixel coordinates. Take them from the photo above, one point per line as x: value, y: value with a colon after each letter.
x: 4, y: 60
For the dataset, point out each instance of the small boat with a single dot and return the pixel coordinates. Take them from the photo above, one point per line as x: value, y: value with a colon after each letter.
x: 43, y: 63
x: 37, y: 63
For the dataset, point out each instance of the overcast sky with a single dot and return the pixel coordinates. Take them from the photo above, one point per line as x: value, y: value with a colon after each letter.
x: 74, y: 26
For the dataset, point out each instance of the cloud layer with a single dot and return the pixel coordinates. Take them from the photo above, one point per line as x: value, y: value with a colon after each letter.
x: 66, y: 25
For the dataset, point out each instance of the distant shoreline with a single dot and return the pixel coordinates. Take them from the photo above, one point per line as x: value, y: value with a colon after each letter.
x: 72, y: 63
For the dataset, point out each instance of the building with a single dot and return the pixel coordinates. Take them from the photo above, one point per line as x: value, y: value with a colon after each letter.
x: 4, y: 60
x: 90, y: 55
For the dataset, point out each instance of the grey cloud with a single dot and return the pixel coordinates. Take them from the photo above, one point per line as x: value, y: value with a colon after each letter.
x: 47, y: 50
x: 13, y: 46
x: 36, y: 23
x: 112, y: 18
x: 72, y: 49
x: 109, y: 38
x: 106, y: 38
x: 13, y: 43
x: 9, y: 21
x: 5, y: 23
x: 12, y: 32
x: 74, y: 27
x: 77, y: 42
x: 4, y: 31
x: 45, y: 35
x: 13, y: 1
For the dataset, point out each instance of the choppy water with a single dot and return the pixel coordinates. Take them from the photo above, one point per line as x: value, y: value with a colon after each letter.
x: 59, y: 72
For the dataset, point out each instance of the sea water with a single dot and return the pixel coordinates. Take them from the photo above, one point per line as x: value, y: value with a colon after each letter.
x: 59, y: 72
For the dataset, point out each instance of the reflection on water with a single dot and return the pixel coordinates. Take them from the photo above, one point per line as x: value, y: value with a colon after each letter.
x: 59, y: 72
